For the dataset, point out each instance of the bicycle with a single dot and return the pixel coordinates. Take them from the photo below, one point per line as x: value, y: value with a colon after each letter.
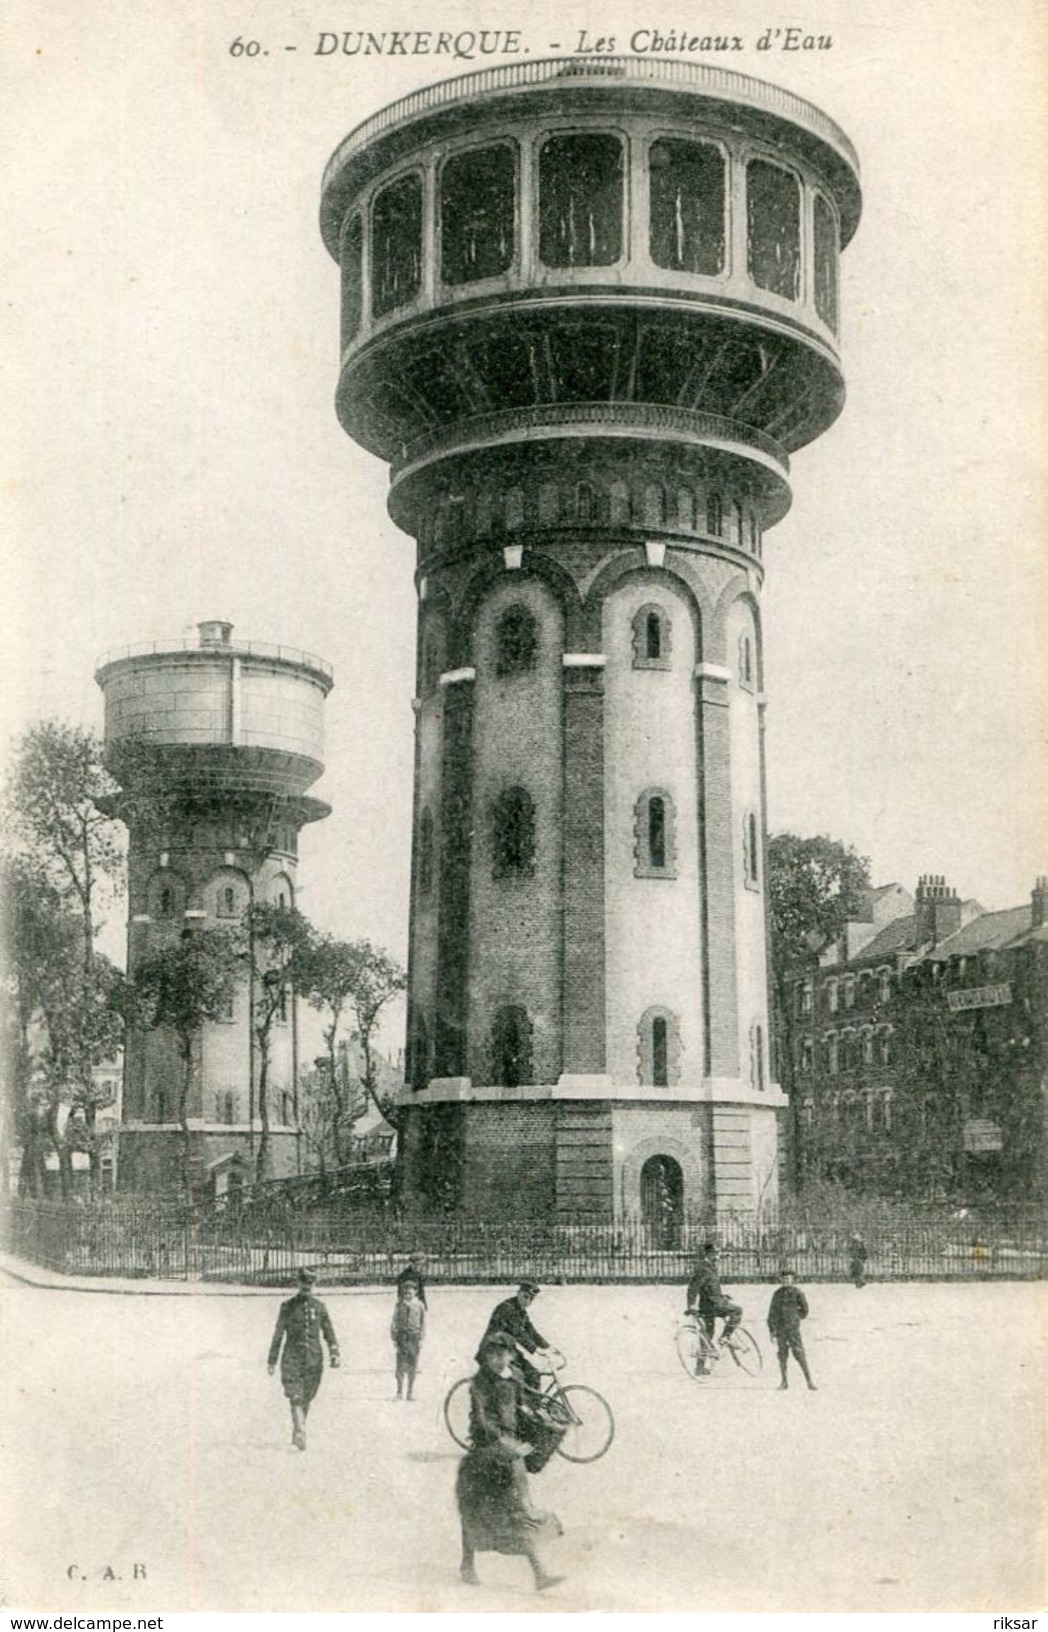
x: 581, y: 1415
x: 698, y: 1352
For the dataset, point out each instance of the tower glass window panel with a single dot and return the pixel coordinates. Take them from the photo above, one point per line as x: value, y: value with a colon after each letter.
x: 686, y: 222
x: 581, y: 200
x: 477, y: 205
x: 824, y: 224
x: 653, y: 636
x: 773, y: 222
x: 352, y: 279
x: 396, y: 245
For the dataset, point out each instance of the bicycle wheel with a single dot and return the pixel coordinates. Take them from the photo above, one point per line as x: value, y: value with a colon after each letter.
x: 745, y: 1352
x: 456, y: 1412
x: 691, y: 1348
x: 590, y: 1426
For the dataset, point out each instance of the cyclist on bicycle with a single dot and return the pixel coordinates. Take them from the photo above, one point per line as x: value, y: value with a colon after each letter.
x: 705, y: 1296
x: 510, y: 1319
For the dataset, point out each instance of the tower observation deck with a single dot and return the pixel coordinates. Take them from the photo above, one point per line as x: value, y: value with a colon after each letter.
x: 589, y: 309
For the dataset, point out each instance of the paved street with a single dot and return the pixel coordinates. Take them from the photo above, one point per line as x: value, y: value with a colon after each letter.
x: 145, y: 1430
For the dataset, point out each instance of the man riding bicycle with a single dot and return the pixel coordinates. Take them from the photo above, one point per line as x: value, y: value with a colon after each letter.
x: 705, y: 1296
x: 510, y: 1319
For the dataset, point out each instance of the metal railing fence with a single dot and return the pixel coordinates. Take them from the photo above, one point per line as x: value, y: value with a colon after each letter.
x: 265, y: 1242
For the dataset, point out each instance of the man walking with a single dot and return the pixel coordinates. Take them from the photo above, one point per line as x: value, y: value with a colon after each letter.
x: 301, y: 1322
x: 857, y: 1256
x: 787, y: 1309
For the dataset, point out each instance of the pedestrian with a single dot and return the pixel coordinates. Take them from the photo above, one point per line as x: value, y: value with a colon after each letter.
x: 494, y: 1500
x: 296, y: 1343
x: 407, y: 1329
x: 787, y: 1309
x: 413, y: 1273
x: 857, y: 1256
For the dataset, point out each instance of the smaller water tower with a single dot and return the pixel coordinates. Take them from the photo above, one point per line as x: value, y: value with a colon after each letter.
x: 229, y: 735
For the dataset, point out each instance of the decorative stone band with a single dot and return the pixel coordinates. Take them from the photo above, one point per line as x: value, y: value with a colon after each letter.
x: 454, y: 677
x: 711, y: 1090
x: 583, y: 660
x: 646, y: 421
x: 712, y: 671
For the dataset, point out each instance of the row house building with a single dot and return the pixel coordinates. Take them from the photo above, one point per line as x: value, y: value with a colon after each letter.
x: 919, y: 1045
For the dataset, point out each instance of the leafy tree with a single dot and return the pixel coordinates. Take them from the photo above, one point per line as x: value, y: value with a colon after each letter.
x: 66, y: 1015
x: 280, y: 943
x: 54, y: 817
x: 341, y: 975
x: 376, y: 978
x: 181, y: 987
x: 815, y: 886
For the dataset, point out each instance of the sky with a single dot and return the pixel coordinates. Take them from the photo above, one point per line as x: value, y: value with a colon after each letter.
x: 171, y: 452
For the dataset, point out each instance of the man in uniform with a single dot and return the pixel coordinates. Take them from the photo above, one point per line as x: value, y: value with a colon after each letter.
x: 509, y: 1319
x: 706, y: 1295
x: 300, y: 1323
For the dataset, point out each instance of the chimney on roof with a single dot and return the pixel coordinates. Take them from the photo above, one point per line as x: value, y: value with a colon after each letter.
x: 1038, y: 897
x: 214, y: 633
x: 938, y: 909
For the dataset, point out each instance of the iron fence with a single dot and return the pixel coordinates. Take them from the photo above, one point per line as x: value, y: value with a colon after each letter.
x: 266, y: 1242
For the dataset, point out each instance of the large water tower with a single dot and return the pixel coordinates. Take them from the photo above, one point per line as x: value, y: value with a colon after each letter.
x: 215, y: 743
x: 589, y: 308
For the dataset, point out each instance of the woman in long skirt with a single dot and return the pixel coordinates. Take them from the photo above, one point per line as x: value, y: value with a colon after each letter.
x: 494, y: 1500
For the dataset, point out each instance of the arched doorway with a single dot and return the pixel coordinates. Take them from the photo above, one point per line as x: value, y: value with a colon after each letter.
x: 662, y: 1200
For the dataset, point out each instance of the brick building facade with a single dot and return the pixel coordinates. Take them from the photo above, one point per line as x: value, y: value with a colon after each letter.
x: 920, y: 1049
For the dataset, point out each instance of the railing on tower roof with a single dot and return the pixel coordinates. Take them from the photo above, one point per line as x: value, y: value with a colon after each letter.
x: 699, y: 77
x: 239, y: 648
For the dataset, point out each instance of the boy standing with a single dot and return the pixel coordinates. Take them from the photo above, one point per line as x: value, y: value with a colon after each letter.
x: 788, y: 1308
x: 408, y: 1325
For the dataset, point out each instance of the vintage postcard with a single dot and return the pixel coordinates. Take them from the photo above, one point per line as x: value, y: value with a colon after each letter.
x: 487, y: 470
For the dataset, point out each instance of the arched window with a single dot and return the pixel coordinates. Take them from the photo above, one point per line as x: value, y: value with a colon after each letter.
x: 884, y: 977
x: 807, y: 1055
x: 714, y: 514
x: 417, y: 1064
x: 585, y: 503
x: 686, y: 509
x: 513, y: 834
x: 757, y: 1076
x: 755, y: 536
x: 833, y: 1053
x: 750, y: 851
x: 654, y: 835
x: 651, y: 637
x: 511, y: 1065
x: 746, y: 661
x: 831, y: 996
x: 425, y: 853
x: 849, y: 991
x: 738, y: 534
x: 884, y: 1047
x: 658, y: 1048
x: 654, y: 506
x: 867, y: 1047
x: 226, y: 905
x: 167, y: 901
x: 619, y: 503
x: 515, y: 641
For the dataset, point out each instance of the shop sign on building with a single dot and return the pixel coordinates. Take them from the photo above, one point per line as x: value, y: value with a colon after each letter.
x: 980, y: 997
